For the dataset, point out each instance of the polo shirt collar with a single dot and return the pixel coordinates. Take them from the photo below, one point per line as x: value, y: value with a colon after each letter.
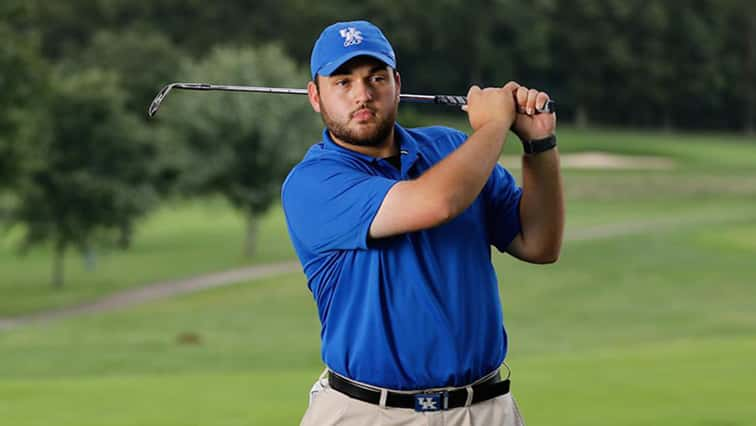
x: 333, y: 146
x: 408, y: 148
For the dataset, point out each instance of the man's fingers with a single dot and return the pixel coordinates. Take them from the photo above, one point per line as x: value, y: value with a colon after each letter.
x: 511, y: 86
x: 521, y: 98
x: 527, y: 101
x: 530, y: 104
x: 541, y: 101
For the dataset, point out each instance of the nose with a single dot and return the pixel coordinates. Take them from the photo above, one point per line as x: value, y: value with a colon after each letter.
x: 362, y: 92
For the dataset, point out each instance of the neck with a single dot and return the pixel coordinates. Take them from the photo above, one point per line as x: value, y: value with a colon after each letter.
x: 387, y: 148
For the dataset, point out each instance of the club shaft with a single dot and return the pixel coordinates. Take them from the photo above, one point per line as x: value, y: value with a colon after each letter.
x: 287, y: 91
x: 434, y: 99
x: 232, y: 88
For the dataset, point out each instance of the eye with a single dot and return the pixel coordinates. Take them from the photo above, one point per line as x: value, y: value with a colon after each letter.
x: 379, y: 78
x: 342, y: 82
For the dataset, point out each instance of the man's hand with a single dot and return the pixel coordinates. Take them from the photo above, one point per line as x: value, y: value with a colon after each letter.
x: 528, y: 125
x: 490, y: 105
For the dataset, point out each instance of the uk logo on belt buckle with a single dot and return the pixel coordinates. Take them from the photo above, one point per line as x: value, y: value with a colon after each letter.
x: 431, y: 401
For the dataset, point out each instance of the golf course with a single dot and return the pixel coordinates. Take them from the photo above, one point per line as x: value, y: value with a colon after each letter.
x: 648, y: 318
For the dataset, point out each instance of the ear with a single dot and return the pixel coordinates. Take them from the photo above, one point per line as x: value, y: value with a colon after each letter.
x: 313, y: 95
x: 398, y: 80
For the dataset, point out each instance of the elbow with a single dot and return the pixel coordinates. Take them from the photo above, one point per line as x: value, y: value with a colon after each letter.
x: 549, y: 258
x: 444, y: 212
x: 542, y: 248
x: 445, y: 209
x: 546, y: 255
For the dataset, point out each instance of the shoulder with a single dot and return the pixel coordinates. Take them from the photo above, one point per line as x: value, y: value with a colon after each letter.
x: 440, y: 140
x: 435, y: 134
x: 318, y: 167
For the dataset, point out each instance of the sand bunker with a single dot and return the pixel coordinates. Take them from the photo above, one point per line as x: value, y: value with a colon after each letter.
x: 601, y: 160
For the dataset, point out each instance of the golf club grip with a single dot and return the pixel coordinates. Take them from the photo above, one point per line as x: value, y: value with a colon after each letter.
x: 450, y: 100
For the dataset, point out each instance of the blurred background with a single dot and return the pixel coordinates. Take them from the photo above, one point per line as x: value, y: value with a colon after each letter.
x: 146, y: 276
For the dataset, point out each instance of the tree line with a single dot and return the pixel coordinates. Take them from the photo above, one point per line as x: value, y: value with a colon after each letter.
x: 687, y: 64
x: 80, y: 164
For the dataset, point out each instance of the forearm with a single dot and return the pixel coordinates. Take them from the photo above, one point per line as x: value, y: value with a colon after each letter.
x: 458, y: 179
x: 450, y: 186
x: 542, y: 204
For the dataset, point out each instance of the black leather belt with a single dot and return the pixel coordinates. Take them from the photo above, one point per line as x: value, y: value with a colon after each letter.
x: 422, y: 401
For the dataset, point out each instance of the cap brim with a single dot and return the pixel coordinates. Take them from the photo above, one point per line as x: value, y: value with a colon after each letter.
x: 328, y: 69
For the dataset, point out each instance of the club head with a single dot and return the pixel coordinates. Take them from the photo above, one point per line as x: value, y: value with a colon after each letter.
x: 155, y: 105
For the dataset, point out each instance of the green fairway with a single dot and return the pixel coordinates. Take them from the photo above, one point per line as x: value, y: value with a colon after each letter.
x: 630, y: 330
x: 701, y: 382
x: 649, y: 317
x: 180, y: 240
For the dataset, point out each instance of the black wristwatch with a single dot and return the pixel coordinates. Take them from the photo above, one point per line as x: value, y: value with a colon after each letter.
x: 536, y: 146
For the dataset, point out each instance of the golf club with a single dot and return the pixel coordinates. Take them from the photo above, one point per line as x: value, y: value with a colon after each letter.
x: 428, y: 99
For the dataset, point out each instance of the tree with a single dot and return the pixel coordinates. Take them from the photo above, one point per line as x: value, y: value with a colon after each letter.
x: 738, y: 62
x: 648, y: 31
x: 591, y: 53
x: 749, y: 71
x: 694, y: 45
x: 22, y: 85
x: 242, y: 145
x: 23, y: 82
x: 144, y: 59
x: 94, y: 171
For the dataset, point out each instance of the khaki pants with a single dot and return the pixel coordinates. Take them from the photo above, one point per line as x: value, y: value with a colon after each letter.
x: 331, y: 407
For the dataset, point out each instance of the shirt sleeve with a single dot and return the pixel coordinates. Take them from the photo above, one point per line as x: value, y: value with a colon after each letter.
x: 330, y: 205
x: 502, y: 197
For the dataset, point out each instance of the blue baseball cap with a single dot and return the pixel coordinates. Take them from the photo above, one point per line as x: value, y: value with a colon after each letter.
x: 343, y: 41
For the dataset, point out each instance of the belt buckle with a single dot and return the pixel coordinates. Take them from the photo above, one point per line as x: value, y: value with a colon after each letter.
x: 434, y: 401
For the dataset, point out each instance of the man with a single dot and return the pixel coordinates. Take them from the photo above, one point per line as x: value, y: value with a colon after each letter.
x: 394, y: 229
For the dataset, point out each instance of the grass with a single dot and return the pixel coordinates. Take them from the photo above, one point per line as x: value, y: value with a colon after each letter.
x: 657, y: 384
x: 258, y: 398
x: 180, y: 240
x: 629, y: 331
x: 700, y: 381
x: 648, y: 318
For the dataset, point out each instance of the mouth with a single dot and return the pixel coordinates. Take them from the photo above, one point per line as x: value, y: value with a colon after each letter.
x: 363, y: 114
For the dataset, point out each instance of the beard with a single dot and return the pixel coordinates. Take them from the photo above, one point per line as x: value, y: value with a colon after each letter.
x: 375, y: 137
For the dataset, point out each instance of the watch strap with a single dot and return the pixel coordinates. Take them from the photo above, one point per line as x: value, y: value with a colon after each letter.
x: 535, y: 146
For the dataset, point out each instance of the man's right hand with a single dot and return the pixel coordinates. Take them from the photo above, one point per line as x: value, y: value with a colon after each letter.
x: 491, y: 104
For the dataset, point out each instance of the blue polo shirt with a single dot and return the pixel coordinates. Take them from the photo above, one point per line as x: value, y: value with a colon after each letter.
x: 412, y: 311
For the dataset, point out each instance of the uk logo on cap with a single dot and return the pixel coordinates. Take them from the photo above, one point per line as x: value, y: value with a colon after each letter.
x: 351, y: 36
